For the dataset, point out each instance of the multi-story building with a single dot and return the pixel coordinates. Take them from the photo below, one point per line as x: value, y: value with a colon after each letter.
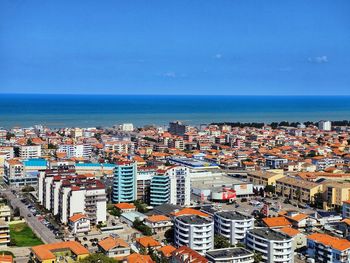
x: 298, y: 190
x: 30, y: 151
x: 158, y: 223
x: 4, y: 233
x: 5, y: 212
x: 68, y: 251
x: 13, y: 172
x: 274, y: 247
x: 67, y: 194
x: 82, y: 195
x: 273, y: 162
x: 264, y: 178
x: 346, y: 209
x: 195, y: 232
x: 144, y: 177
x: 75, y: 150
x: 326, y: 248
x: 185, y: 255
x: 114, y: 247
x: 324, y: 125
x: 172, y: 186
x: 177, y: 128
x: 159, y: 190
x: 335, y: 193
x: 233, y: 225
x: 119, y: 146
x: 230, y: 255
x: 79, y: 223
x: 20, y: 173
x: 124, y: 183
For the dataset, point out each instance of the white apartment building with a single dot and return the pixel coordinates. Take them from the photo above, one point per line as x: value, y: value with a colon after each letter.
x: 79, y: 223
x: 230, y: 255
x: 76, y: 150
x: 324, y: 125
x: 326, y: 248
x: 172, y: 186
x: 7, y: 152
x: 127, y: 127
x: 275, y: 247
x: 195, y: 232
x: 119, y: 146
x: 13, y: 170
x: 66, y: 195
x: 30, y: 151
x: 233, y: 225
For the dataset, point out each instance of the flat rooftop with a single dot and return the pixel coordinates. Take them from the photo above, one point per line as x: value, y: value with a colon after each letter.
x: 215, y: 181
x: 267, y: 233
x: 233, y: 215
x: 192, y: 162
x: 194, y: 219
x: 228, y: 253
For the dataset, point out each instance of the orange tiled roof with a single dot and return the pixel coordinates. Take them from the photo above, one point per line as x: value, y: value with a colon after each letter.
x: 147, y: 242
x: 45, y: 252
x: 290, y: 231
x: 137, y: 258
x: 122, y: 206
x: 189, y: 211
x: 77, y: 217
x: 6, y: 259
x: 195, y: 256
x: 276, y: 221
x: 167, y: 250
x: 327, y: 240
x: 110, y: 242
x: 158, y: 218
x: 299, y: 217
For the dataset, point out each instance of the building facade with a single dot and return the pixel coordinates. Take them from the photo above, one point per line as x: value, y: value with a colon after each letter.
x: 194, y: 231
x: 233, y: 225
x: 273, y: 246
x: 124, y: 182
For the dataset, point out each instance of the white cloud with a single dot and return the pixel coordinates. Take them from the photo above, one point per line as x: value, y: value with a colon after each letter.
x: 318, y: 60
x: 169, y: 74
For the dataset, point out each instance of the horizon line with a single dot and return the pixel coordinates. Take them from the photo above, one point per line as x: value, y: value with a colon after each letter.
x: 198, y: 95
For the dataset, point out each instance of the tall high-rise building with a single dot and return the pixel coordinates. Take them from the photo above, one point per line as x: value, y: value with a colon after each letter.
x: 177, y: 128
x: 125, y: 184
x: 324, y: 125
x: 171, y: 186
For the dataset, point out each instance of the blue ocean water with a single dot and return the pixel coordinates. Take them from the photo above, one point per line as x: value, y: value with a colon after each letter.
x: 106, y: 110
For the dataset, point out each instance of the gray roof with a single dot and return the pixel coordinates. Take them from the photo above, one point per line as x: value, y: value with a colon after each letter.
x: 165, y: 209
x: 267, y: 233
x: 194, y: 219
x: 229, y: 253
x: 232, y: 215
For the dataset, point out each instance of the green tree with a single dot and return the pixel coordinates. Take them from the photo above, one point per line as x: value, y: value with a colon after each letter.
x: 257, y: 257
x: 98, y: 258
x: 169, y: 235
x: 270, y: 188
x: 141, y: 206
x: 147, y: 231
x: 221, y: 242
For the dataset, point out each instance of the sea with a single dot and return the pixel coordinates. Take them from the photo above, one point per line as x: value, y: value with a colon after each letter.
x: 55, y: 111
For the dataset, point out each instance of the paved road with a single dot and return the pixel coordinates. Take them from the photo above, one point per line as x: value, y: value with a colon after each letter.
x: 39, y: 228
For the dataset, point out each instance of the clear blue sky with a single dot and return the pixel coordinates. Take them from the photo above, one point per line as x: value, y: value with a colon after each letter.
x: 175, y: 47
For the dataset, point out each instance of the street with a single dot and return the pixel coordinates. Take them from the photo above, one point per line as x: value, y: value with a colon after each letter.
x: 38, y: 228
